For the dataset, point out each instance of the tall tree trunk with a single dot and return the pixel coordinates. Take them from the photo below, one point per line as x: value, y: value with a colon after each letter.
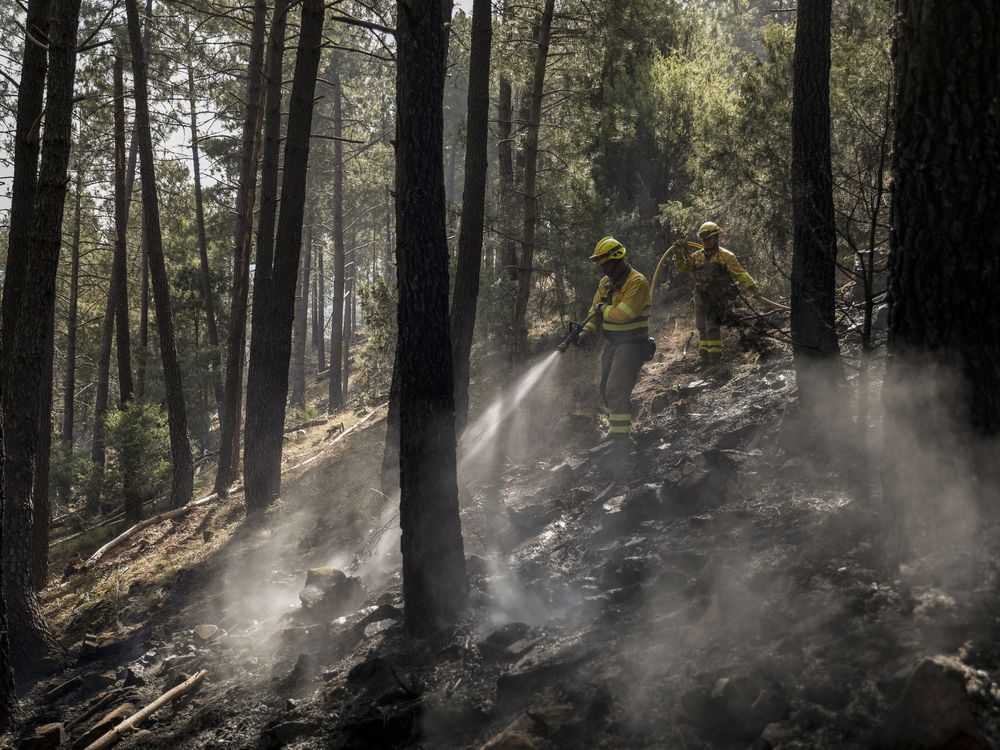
x: 814, y: 255
x: 26, y: 152
x: 434, y: 581
x: 97, y: 448
x: 507, y: 253
x: 9, y: 712
x: 301, y: 320
x: 349, y: 270
x: 530, y: 221
x: 470, y: 235
x: 388, y: 269
x: 41, y: 508
x: 207, y: 298
x: 122, y: 325
x: 943, y: 305
x: 229, y: 428
x: 72, y: 317
x: 30, y: 94
x: 119, y: 283
x: 337, y: 344
x: 270, y: 348
x: 182, y: 483
x: 140, y: 377
x: 319, y: 323
x: 25, y: 345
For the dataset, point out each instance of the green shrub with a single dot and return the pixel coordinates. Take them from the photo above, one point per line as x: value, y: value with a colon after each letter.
x: 140, y: 440
x: 376, y: 357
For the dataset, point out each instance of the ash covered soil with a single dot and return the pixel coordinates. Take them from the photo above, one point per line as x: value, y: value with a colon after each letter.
x: 730, y: 589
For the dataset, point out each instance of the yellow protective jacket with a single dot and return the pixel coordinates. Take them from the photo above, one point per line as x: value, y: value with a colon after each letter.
x: 626, y: 316
x: 714, y: 271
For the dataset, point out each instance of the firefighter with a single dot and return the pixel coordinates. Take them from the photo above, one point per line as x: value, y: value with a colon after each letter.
x: 621, y: 310
x: 714, y: 269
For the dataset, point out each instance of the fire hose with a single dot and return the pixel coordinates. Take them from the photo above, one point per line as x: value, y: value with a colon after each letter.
x: 684, y: 245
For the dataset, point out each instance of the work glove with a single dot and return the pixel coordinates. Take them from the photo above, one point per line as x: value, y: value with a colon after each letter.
x: 582, y: 339
x: 599, y: 308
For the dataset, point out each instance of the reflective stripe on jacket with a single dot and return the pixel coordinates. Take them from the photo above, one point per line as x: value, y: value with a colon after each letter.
x: 626, y: 316
x: 708, y: 272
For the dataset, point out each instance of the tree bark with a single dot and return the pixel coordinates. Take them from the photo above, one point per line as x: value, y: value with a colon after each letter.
x: 229, y: 428
x: 530, y: 220
x: 337, y: 345
x: 41, y: 508
x: 182, y: 483
x: 9, y: 713
x: 470, y: 235
x: 207, y: 298
x: 25, y: 345
x: 814, y: 255
x: 30, y: 95
x: 943, y: 271
x: 270, y: 349
x: 301, y: 321
x: 26, y: 152
x: 140, y: 377
x: 434, y: 581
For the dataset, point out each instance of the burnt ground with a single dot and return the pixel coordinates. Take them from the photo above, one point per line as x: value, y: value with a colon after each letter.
x: 733, y: 587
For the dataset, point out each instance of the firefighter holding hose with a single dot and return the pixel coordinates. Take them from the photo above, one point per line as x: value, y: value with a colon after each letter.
x: 621, y: 310
x: 714, y: 269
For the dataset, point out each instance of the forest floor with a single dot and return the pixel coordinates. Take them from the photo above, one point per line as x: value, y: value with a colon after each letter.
x: 730, y: 589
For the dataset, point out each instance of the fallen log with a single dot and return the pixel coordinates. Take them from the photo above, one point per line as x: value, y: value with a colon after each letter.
x: 115, y: 734
x: 145, y: 524
x: 307, y: 425
x: 339, y: 437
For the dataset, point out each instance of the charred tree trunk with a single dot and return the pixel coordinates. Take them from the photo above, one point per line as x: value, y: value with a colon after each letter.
x: 229, y: 428
x: 182, y: 483
x: 470, y: 235
x: 25, y: 345
x: 530, y: 221
x: 337, y: 345
x: 207, y: 298
x: 814, y: 256
x: 944, y: 315
x: 9, y: 713
x: 30, y: 95
x: 301, y: 321
x: 270, y: 349
x: 434, y: 581
x: 41, y: 508
x: 26, y: 152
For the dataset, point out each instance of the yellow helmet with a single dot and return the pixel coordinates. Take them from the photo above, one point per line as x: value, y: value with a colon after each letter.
x: 709, y: 229
x: 608, y: 249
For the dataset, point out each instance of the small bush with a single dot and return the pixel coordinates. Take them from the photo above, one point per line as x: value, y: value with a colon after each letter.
x: 375, y: 360
x: 69, y: 474
x: 139, y: 437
